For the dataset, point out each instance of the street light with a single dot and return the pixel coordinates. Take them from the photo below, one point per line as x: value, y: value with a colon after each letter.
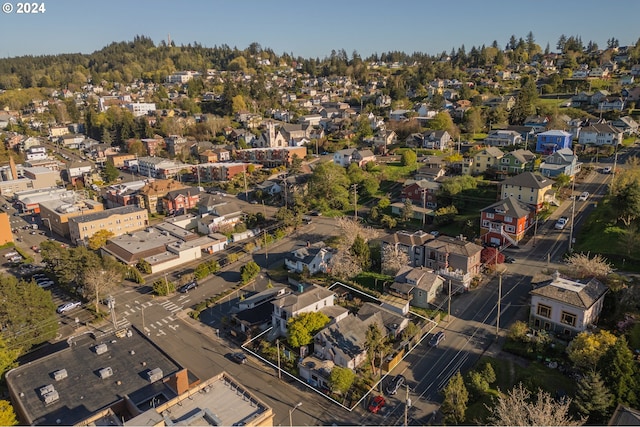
x: 299, y: 404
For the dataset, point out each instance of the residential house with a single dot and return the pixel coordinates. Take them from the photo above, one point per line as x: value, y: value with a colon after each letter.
x: 419, y: 285
x: 433, y: 167
x: 219, y: 217
x: 566, y: 307
x: 181, y: 200
x: 626, y: 124
x: 581, y: 99
x: 600, y: 134
x: 454, y: 259
x: 351, y: 155
x: 421, y: 192
x: 537, y: 123
x: 598, y: 97
x: 562, y: 161
x: 314, y: 258
x: 503, y: 138
x: 553, y: 140
x: 271, y: 157
x: 612, y: 103
x: 398, y: 115
x: 527, y: 187
x: 308, y: 298
x: 410, y: 243
x: 150, y: 196
x: 516, y: 162
x: 484, y: 159
x: 344, y: 342
x: 76, y: 170
x: 506, y: 221
x: 436, y: 140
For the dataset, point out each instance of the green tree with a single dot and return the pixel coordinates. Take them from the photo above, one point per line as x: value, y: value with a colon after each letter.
x: 7, y: 414
x: 99, y: 239
x: 360, y: 250
x: 144, y: 266
x: 593, y: 399
x: 626, y: 202
x: 473, y: 121
x: 249, y: 271
x: 518, y: 330
x: 329, y: 184
x: 443, y: 121
x: 110, y: 172
x: 27, y: 314
x: 525, y: 102
x: 456, y: 397
x: 409, y: 158
x: 562, y: 180
x: 8, y: 358
x: 163, y: 287
x: 587, y: 348
x: 302, y: 328
x: 388, y: 221
x: 376, y: 346
x: 341, y: 379
x: 620, y: 372
x: 407, y: 210
x: 383, y: 203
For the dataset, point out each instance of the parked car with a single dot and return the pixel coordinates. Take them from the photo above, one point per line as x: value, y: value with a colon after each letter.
x: 186, y: 288
x: 11, y: 254
x: 436, y: 339
x: 561, y: 223
x: 584, y: 196
x: 606, y: 169
x: 45, y: 283
x: 68, y: 306
x: 239, y: 358
x: 395, y: 384
x: 509, y: 259
x: 377, y: 403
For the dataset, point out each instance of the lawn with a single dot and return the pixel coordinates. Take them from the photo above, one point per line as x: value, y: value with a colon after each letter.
x: 508, y: 374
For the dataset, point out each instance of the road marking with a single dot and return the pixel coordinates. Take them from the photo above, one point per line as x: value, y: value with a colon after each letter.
x: 174, y: 327
x: 160, y: 333
x: 153, y: 326
x: 159, y: 324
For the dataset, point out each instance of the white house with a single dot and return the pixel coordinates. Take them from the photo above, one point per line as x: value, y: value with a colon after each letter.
x: 309, y: 298
x: 315, y: 258
x: 566, y: 307
x: 600, y: 134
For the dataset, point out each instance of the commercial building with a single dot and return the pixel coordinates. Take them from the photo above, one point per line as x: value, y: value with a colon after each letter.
x: 125, y: 219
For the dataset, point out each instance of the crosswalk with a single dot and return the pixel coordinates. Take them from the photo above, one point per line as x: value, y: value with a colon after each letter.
x: 156, y: 327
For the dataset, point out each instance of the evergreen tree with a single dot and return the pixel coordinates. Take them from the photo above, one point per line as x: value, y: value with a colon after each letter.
x: 525, y: 103
x: 455, y: 401
x: 593, y: 399
x: 620, y: 372
x: 360, y: 250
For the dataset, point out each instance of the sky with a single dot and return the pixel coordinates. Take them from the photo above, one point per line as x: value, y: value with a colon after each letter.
x: 314, y: 28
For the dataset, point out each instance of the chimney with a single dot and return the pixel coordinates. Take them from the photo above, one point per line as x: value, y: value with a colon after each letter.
x: 179, y: 382
x: 556, y: 275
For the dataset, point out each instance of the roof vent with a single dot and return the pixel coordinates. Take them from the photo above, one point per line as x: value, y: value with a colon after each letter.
x: 101, y: 348
x: 60, y: 374
x: 155, y: 375
x: 105, y: 372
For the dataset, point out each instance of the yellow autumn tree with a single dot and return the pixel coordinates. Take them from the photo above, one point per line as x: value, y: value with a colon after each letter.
x: 7, y: 414
x: 586, y: 349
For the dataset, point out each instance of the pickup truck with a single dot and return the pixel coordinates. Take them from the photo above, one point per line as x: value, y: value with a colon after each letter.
x: 561, y: 223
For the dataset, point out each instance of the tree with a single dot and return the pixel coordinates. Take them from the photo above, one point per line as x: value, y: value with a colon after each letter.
x: 562, y: 180
x: 344, y: 265
x: 388, y: 221
x: 110, y: 172
x: 8, y: 357
x: 7, y: 414
x: 518, y: 408
x: 525, y: 103
x: 248, y: 272
x: 349, y: 229
x: 100, y: 280
x: 593, y: 399
x: 407, y: 210
x: 302, y: 328
x: 409, y: 158
x: 473, y: 121
x: 329, y: 184
x: 99, y: 239
x: 376, y: 346
x: 443, y: 121
x: 581, y: 266
x: 455, y: 401
x: 620, y: 372
x: 341, y: 379
x: 393, y: 260
x: 518, y: 330
x: 163, y: 287
x: 630, y: 239
x: 586, y: 349
x: 360, y: 250
x: 626, y: 202
x: 27, y: 315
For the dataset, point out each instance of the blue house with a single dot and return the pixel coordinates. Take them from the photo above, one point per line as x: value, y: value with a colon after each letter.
x: 553, y: 140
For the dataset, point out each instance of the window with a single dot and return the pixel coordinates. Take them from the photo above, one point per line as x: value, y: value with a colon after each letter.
x: 485, y: 223
x: 568, y: 318
x: 508, y: 219
x: 510, y: 228
x: 544, y: 311
x: 490, y: 215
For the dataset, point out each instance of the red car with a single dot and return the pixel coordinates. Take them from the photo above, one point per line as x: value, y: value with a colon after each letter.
x: 376, y: 404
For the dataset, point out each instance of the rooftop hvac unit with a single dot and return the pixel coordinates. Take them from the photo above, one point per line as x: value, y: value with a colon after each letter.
x: 105, y: 372
x: 51, y: 397
x: 155, y: 375
x: 60, y: 374
x: 46, y: 389
x: 101, y: 348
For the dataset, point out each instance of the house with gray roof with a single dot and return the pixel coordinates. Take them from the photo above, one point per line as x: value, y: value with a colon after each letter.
x: 308, y: 298
x: 419, y: 285
x: 566, y: 307
x: 315, y: 258
x: 562, y: 161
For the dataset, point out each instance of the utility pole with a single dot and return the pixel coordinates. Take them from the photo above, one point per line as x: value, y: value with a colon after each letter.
x: 499, y: 298
x: 278, y: 345
x: 573, y: 213
x: 244, y: 173
x: 112, y: 308
x: 424, y: 205
x: 449, y: 303
x: 355, y: 201
x: 407, y: 405
x: 166, y: 283
x: 535, y: 231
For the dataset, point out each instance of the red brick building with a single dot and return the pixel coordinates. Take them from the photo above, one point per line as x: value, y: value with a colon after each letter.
x: 506, y: 222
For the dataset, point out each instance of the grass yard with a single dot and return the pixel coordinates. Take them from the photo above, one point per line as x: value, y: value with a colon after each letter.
x: 508, y: 374
x: 396, y: 172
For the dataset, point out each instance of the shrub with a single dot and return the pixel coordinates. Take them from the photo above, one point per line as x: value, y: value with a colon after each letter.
x: 163, y: 287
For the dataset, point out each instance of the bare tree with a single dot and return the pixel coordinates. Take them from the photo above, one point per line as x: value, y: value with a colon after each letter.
x: 343, y: 265
x: 393, y: 260
x: 518, y: 409
x: 349, y: 229
x: 581, y: 266
x: 98, y: 281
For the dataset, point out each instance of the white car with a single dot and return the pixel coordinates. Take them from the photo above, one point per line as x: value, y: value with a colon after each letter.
x: 45, y: 283
x: 561, y: 222
x: 584, y: 196
x: 606, y: 170
x: 68, y: 306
